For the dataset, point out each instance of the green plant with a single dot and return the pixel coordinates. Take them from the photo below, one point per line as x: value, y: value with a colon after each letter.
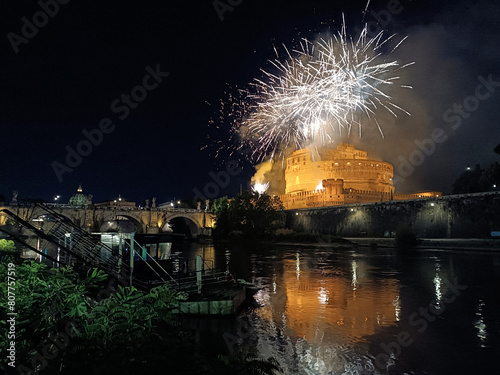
x: 253, y: 214
x: 7, y: 245
x: 46, y: 299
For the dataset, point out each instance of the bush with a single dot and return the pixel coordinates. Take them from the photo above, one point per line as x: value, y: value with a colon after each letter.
x: 7, y: 245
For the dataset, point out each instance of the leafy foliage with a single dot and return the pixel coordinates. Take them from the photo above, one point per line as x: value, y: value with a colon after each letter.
x: 250, y: 213
x: 130, y: 332
x: 7, y: 245
x: 45, y: 300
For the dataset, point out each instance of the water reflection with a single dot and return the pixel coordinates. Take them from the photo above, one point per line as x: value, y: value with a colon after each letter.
x: 318, y: 312
x: 354, y: 282
x: 480, y: 325
x: 348, y: 307
x: 437, y: 286
x: 329, y: 311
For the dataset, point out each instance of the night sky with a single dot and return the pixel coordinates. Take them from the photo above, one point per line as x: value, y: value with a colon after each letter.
x: 65, y: 79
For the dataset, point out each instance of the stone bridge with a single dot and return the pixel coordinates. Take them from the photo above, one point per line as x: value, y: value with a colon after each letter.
x: 191, y: 222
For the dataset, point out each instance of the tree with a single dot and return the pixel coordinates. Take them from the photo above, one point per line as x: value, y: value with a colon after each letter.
x: 250, y: 213
x: 478, y: 180
x: 220, y: 208
x: 220, y: 205
x: 490, y: 179
x: 469, y: 181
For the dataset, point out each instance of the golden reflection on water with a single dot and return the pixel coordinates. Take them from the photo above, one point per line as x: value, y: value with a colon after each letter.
x: 314, y: 303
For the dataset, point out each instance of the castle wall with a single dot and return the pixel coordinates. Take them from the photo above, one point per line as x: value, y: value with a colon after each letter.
x: 363, y: 180
x: 454, y: 216
x: 305, y: 170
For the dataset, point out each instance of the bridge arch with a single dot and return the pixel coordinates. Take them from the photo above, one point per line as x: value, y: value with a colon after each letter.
x: 182, y: 224
x: 121, y: 223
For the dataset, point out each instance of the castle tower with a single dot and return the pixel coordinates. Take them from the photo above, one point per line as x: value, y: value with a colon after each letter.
x: 305, y: 170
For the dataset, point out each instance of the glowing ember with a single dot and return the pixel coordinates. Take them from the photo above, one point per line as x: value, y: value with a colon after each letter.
x: 260, y: 188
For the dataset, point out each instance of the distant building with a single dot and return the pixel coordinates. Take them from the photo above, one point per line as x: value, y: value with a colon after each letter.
x: 334, y: 177
x: 80, y: 199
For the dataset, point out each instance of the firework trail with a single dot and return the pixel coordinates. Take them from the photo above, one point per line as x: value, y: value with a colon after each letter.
x: 322, y: 89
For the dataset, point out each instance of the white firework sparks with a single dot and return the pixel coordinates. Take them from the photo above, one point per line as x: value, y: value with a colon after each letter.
x: 324, y: 88
x: 260, y: 188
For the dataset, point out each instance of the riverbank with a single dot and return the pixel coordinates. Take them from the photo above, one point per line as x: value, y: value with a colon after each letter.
x: 465, y: 244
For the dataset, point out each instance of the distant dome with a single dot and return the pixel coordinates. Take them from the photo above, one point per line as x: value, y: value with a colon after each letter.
x: 80, y: 199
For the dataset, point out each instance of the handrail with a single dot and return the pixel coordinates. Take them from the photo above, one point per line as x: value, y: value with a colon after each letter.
x: 138, y: 245
x: 159, y: 265
x: 157, y: 274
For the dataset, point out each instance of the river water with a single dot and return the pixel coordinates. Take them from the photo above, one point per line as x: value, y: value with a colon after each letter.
x: 362, y: 310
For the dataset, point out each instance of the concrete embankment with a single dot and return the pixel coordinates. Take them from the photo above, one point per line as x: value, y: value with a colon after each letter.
x: 456, y: 216
x: 459, y: 244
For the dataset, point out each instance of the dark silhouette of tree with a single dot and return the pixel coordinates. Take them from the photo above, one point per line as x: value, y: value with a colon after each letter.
x: 497, y: 149
x: 478, y: 180
x: 250, y: 213
x: 469, y: 181
x: 490, y: 179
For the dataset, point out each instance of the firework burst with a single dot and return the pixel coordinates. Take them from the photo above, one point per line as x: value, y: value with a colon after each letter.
x: 322, y: 89
x: 260, y: 188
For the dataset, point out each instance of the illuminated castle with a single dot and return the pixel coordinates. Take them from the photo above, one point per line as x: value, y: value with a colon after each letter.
x: 334, y: 177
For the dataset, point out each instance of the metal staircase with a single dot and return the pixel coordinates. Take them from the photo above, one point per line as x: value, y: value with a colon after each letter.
x: 68, y: 244
x: 75, y: 246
